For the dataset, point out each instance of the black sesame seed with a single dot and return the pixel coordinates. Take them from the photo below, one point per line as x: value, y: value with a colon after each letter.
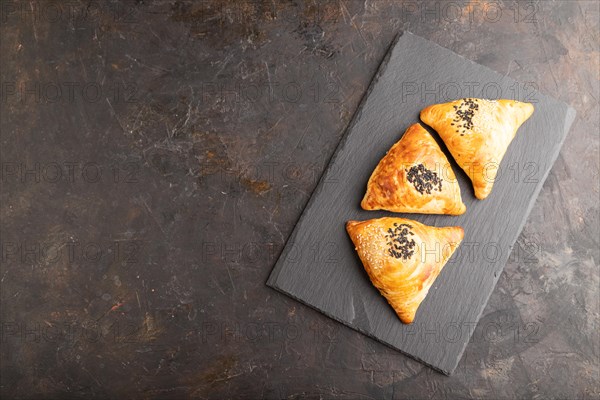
x: 465, y: 112
x: 399, y: 246
x: 423, y: 179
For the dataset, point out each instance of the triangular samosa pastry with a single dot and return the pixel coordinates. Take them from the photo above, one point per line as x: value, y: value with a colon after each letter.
x: 477, y: 132
x: 403, y: 258
x: 414, y: 177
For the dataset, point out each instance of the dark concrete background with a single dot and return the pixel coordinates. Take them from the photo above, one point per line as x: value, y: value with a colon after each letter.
x: 156, y: 155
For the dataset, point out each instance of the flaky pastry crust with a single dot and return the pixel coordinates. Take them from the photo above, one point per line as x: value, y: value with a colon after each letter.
x: 403, y: 258
x: 414, y: 177
x: 477, y: 133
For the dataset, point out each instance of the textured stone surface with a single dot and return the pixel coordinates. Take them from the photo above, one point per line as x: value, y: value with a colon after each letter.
x: 212, y: 125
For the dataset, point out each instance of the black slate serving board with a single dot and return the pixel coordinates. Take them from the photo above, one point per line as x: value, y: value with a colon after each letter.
x: 319, y: 266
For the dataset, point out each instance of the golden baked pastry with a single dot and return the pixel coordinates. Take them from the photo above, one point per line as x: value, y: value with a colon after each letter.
x: 403, y: 258
x: 414, y: 177
x: 477, y: 132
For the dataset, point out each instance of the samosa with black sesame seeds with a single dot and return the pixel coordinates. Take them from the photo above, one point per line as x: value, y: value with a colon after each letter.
x: 414, y: 177
x: 477, y: 133
x: 403, y: 258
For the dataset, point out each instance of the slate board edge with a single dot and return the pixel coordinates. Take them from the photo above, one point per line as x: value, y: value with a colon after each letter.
x: 272, y: 280
x: 570, y: 115
x: 382, y: 66
x: 569, y: 118
x: 273, y: 285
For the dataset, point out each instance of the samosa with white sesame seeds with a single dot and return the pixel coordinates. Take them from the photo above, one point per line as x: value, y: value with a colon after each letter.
x: 403, y: 258
x: 477, y: 133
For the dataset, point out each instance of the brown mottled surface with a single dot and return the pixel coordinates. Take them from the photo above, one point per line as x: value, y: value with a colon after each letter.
x: 156, y: 154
